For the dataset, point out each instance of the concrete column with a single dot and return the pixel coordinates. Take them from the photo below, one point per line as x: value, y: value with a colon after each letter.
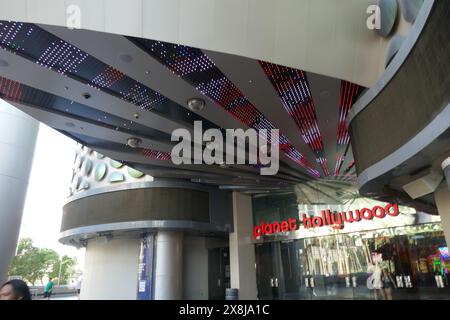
x: 110, y: 269
x: 242, y: 250
x: 18, y: 133
x: 169, y: 266
x: 442, y: 198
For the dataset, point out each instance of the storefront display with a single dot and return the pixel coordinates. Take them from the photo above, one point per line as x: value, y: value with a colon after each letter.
x: 386, y: 259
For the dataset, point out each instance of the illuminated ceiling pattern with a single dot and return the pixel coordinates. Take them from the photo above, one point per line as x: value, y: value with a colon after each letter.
x: 349, y: 93
x: 198, y: 69
x: 293, y: 89
x: 16, y: 92
x: 49, y: 51
x: 291, y: 93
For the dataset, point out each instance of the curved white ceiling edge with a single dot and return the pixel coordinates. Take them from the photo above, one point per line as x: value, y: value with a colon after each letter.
x: 327, y: 37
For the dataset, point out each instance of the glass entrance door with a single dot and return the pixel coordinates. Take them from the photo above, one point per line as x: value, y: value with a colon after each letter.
x: 269, y: 271
x: 218, y: 273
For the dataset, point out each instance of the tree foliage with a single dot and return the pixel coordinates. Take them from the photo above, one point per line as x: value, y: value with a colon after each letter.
x: 67, y: 269
x: 33, y: 264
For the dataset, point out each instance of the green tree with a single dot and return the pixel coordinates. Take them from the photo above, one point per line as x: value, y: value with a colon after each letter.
x: 67, y: 269
x: 32, y: 263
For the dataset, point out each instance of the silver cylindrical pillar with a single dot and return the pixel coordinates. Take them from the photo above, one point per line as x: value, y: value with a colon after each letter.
x: 446, y: 169
x: 169, y: 265
x: 18, y: 133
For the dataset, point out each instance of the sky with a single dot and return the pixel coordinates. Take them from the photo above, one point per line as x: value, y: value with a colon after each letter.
x: 48, y: 190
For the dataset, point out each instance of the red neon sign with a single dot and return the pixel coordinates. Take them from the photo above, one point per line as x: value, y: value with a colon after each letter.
x: 336, y: 220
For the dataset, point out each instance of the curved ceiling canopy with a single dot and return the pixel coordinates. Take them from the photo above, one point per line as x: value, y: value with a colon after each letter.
x: 91, y: 93
x: 300, y: 34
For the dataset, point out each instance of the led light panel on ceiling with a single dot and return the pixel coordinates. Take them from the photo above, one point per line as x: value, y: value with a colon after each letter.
x: 47, y: 50
x: 348, y: 95
x: 293, y: 89
x: 16, y: 92
x: 199, y: 70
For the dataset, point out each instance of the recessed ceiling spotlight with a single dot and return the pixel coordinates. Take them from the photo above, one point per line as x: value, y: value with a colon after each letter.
x: 196, y: 104
x: 250, y: 81
x: 70, y: 124
x: 86, y: 95
x: 136, y: 115
x: 3, y: 63
x: 66, y: 87
x: 147, y: 71
x: 134, y: 142
x: 125, y: 57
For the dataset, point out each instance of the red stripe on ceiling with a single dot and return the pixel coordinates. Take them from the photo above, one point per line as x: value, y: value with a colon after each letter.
x: 293, y: 90
x: 349, y: 91
x: 155, y: 155
x: 10, y: 89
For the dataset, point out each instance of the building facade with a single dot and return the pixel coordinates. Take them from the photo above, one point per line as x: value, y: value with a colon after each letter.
x: 359, y: 94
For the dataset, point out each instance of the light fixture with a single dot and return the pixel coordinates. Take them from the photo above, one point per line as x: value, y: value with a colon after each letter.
x: 136, y: 115
x: 86, y: 95
x: 196, y: 104
x: 133, y: 142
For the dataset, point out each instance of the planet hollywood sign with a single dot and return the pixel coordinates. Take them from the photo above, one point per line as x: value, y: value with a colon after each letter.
x: 335, y: 220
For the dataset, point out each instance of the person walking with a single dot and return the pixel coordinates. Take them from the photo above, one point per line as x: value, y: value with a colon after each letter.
x: 388, y: 284
x: 374, y: 281
x: 15, y: 290
x: 79, y: 288
x: 48, y: 289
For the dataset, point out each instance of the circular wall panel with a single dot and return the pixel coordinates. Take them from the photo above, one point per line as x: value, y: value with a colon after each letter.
x: 87, y: 167
x: 99, y: 155
x: 100, y: 171
x: 115, y: 164
x: 84, y: 185
x: 135, y: 173
x: 116, y: 177
x: 389, y: 10
x: 410, y: 9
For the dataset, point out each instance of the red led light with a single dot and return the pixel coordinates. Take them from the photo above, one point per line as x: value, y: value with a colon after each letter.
x: 348, y: 95
x: 197, y: 68
x: 293, y: 90
x: 107, y: 78
x: 10, y: 90
x: 155, y: 155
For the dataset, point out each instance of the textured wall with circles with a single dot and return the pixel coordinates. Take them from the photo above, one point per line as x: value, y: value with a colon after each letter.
x: 410, y: 9
x: 389, y: 13
x: 93, y: 170
x: 396, y: 15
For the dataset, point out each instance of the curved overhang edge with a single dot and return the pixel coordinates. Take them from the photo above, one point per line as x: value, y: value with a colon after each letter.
x: 396, y: 64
